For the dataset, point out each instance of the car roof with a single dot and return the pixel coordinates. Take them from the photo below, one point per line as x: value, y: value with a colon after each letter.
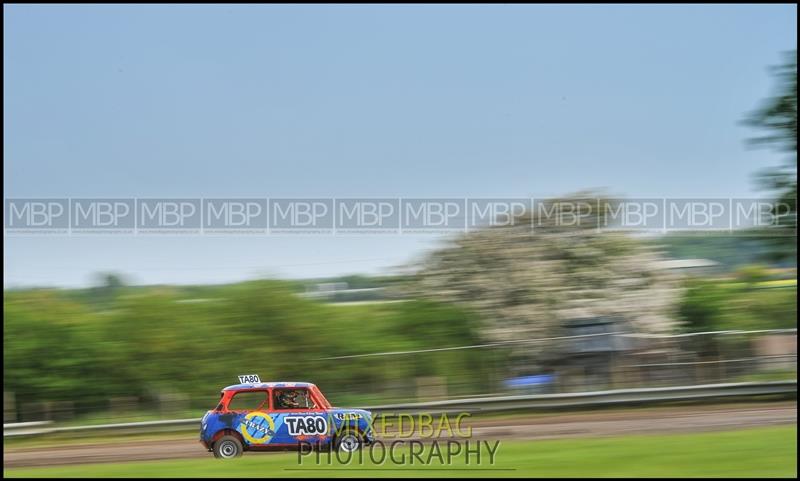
x: 262, y: 385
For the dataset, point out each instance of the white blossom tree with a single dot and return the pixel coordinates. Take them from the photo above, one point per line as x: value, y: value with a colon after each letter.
x: 525, y: 280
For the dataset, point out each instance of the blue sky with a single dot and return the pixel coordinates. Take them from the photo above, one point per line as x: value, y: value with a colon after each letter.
x: 359, y: 101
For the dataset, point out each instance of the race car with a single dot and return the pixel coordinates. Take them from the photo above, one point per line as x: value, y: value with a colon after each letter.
x: 255, y: 415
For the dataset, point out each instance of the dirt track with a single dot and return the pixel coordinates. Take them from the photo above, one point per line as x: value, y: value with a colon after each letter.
x: 597, y: 423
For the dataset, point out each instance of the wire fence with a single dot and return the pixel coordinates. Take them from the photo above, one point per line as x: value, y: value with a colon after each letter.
x: 567, y: 364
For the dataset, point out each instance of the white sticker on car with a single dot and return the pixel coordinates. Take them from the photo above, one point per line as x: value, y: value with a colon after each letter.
x: 306, y: 425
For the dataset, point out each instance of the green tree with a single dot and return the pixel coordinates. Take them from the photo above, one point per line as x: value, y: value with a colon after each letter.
x: 720, y: 305
x: 777, y: 117
x: 149, y: 342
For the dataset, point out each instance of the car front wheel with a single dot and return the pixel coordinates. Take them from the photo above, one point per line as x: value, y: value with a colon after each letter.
x: 228, y: 447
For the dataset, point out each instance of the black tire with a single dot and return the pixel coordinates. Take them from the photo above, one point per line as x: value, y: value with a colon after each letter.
x: 349, y: 441
x: 228, y: 447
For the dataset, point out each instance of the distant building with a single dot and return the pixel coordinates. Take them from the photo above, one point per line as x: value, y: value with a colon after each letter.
x: 690, y: 266
x: 340, y: 293
x: 591, y: 352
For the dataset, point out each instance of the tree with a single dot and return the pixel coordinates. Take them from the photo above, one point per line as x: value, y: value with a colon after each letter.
x: 107, y: 286
x: 777, y: 116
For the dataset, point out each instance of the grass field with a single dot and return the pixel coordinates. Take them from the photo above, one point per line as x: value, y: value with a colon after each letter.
x: 769, y: 452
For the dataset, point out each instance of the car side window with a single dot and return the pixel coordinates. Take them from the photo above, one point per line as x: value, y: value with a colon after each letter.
x: 292, y: 399
x: 249, y: 401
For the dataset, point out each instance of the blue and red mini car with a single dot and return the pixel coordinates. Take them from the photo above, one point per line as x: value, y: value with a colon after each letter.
x: 277, y: 415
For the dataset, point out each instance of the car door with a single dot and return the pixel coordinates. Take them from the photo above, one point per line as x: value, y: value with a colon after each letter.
x: 305, y: 421
x: 248, y: 412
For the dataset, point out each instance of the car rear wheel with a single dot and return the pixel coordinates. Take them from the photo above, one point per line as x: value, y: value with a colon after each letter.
x: 349, y: 442
x: 228, y: 447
